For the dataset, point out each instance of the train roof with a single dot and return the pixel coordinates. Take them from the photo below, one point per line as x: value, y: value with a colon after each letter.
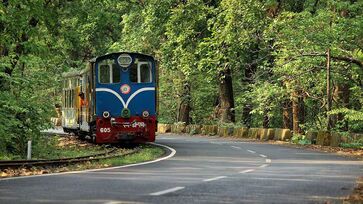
x: 72, y: 73
x: 118, y: 53
x: 75, y: 73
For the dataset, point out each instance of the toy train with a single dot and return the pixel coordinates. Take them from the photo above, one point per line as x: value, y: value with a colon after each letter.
x: 113, y: 100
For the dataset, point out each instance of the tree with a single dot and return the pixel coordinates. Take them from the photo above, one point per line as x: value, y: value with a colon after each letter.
x: 179, y: 50
x: 302, y: 41
x: 235, y: 29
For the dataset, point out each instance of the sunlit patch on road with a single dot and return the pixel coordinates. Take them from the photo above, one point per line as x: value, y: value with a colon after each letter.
x: 215, y: 178
x: 166, y: 191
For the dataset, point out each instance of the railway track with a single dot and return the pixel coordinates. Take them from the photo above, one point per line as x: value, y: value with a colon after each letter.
x: 58, y: 162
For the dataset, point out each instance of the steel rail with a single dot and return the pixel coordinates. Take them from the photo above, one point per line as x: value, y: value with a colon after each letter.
x: 55, y: 162
x: 44, y: 160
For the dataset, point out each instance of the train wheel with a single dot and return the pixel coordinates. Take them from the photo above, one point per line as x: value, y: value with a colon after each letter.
x: 93, y: 138
x: 82, y: 136
x: 92, y: 133
x: 65, y: 130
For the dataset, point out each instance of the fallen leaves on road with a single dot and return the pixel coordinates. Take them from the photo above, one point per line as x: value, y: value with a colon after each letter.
x: 32, y: 171
x: 357, y: 195
x: 350, y: 152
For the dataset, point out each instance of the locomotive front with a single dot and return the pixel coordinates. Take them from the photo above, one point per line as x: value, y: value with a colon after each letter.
x: 125, y: 99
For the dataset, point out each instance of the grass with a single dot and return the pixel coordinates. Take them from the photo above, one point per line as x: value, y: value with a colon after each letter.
x: 6, y: 157
x: 64, y: 147
x: 74, y: 151
x: 147, y: 153
x: 55, y: 147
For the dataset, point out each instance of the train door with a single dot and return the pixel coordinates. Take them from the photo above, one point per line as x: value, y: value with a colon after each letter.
x: 74, y: 103
x: 85, y: 101
x: 69, y: 110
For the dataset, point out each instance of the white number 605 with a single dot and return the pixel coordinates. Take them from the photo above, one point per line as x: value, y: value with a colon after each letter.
x: 105, y: 130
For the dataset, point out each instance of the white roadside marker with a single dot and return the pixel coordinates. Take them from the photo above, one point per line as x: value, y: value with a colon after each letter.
x: 253, y: 152
x: 236, y: 147
x: 246, y: 171
x: 268, y: 160
x: 264, y: 156
x: 215, y: 178
x: 166, y: 191
x: 113, y: 202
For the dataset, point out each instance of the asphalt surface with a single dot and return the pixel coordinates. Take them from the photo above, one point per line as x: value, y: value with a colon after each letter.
x: 203, y: 170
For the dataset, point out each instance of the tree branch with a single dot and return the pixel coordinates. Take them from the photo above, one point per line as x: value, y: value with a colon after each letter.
x: 339, y: 58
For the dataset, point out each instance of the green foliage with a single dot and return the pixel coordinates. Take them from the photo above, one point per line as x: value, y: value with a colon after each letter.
x: 352, y: 145
x: 351, y: 115
x: 266, y: 96
x: 273, y: 49
x: 300, y: 139
x: 40, y: 40
x: 234, y: 27
x: 354, y: 117
x: 295, y: 138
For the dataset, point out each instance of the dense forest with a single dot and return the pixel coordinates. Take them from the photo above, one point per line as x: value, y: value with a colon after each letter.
x: 294, y: 64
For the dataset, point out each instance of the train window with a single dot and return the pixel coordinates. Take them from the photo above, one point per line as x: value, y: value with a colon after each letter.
x: 116, y: 74
x: 104, y: 74
x: 71, y: 99
x: 141, y: 72
x: 108, y: 72
x: 67, y: 97
x: 64, y: 99
x: 145, y: 73
x: 133, y: 73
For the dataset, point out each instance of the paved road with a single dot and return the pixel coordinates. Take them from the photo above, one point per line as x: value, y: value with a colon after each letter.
x: 203, y: 170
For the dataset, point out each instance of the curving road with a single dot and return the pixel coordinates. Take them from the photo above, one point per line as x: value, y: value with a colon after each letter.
x: 203, y: 170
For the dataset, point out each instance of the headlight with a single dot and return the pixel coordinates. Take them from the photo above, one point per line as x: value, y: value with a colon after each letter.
x: 106, y: 114
x: 125, y: 113
x: 145, y: 114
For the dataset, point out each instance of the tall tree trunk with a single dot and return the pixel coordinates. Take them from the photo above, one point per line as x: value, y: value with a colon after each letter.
x: 295, y: 115
x: 249, y: 71
x: 266, y: 118
x: 246, y: 115
x: 298, y: 6
x: 298, y: 111
x: 287, y: 114
x: 328, y: 90
x: 226, y: 111
x: 341, y: 96
x: 301, y: 110
x: 184, y: 106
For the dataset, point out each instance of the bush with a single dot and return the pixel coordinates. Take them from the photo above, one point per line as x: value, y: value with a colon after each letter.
x: 22, y: 119
x: 300, y: 139
x: 352, y: 145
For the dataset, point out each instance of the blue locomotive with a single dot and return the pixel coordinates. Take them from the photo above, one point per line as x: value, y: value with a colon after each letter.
x: 113, y: 100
